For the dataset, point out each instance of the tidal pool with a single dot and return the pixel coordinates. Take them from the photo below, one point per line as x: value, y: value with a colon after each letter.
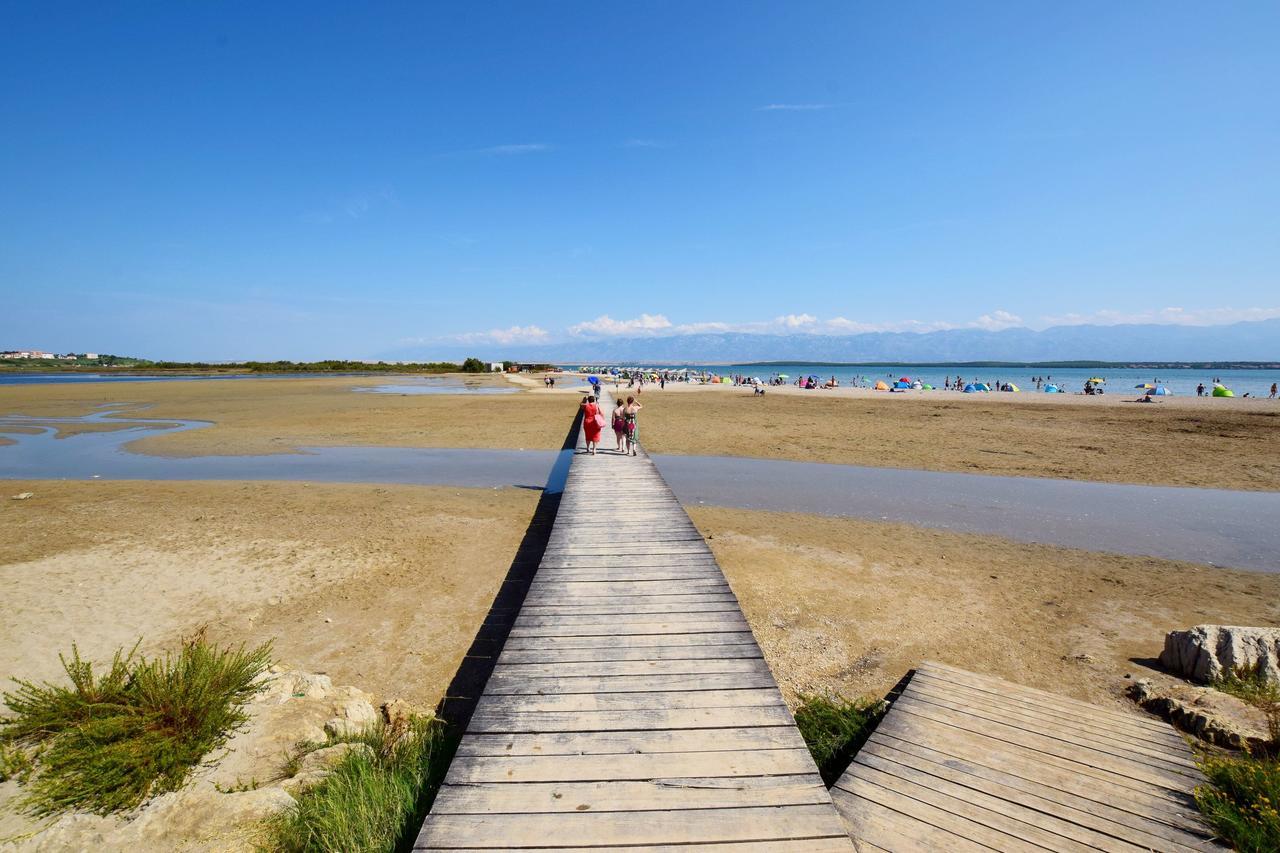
x: 1213, y: 526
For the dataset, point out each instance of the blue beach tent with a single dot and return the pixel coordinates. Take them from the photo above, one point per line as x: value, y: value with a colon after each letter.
x: 902, y: 385
x: 971, y: 388
x: 1051, y: 389
x: 981, y: 386
x: 1159, y: 391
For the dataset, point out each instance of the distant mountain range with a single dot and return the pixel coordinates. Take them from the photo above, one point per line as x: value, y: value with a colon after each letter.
x: 1249, y: 341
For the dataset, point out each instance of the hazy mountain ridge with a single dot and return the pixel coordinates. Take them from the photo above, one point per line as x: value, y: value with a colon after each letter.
x: 1248, y: 341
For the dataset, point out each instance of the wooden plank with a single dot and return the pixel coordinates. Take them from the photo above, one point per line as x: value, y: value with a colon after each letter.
x: 1082, y: 755
x: 621, y: 795
x: 631, y: 653
x: 1085, y: 810
x: 793, y: 763
x: 1034, y: 694
x: 1094, y: 726
x: 1094, y: 738
x: 1037, y: 766
x: 636, y: 642
x: 493, y: 703
x: 591, y: 684
x: 596, y: 829
x: 1011, y: 813
x: 639, y: 667
x: 667, y: 718
x: 625, y: 742
x: 1135, y: 725
x: 953, y: 830
x: 960, y: 760
x: 882, y: 827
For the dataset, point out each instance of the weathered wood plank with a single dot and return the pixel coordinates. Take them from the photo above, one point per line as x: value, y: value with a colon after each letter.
x: 625, y: 742
x: 961, y: 761
x: 689, y: 792
x: 793, y: 763
x: 597, y: 829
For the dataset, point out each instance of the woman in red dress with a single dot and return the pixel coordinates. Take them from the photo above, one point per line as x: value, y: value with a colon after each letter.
x: 592, y: 423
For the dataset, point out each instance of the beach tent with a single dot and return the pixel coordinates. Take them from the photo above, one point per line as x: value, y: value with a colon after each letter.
x: 906, y: 379
x: 981, y: 386
x: 1096, y: 380
x: 1013, y: 387
x: 880, y: 386
x: 901, y: 384
x: 971, y: 388
x: 1051, y: 389
x: 784, y: 376
x: 1144, y: 385
x: 917, y: 385
x: 1159, y: 391
x: 1222, y: 391
x: 927, y: 387
x: 725, y: 380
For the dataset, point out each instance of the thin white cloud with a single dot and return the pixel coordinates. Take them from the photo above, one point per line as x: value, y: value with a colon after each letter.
x: 606, y: 326
x: 512, y: 335
x: 795, y: 108
x: 658, y: 325
x: 644, y: 143
x: 997, y: 320
x: 1173, y: 316
x: 509, y: 150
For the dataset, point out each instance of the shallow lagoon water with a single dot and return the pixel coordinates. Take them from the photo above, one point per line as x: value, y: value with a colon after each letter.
x: 1218, y: 527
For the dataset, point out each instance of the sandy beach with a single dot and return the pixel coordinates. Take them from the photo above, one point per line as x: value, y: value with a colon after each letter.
x: 378, y: 586
x: 1226, y: 444
x: 847, y: 607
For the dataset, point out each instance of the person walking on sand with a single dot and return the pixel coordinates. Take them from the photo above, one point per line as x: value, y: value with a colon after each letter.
x: 1272, y: 395
x: 592, y: 423
x: 619, y: 426
x: 629, y: 413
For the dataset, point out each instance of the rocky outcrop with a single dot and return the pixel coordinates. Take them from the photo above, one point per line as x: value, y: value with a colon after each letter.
x: 1207, y: 653
x: 1214, y: 717
x: 223, y: 804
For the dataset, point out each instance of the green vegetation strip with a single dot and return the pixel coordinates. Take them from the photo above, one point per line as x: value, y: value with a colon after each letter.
x: 107, y: 743
x: 834, y: 728
x: 1243, y: 795
x: 374, y: 799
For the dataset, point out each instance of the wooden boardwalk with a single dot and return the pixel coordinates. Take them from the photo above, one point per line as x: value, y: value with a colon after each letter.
x: 631, y: 706
x: 966, y: 762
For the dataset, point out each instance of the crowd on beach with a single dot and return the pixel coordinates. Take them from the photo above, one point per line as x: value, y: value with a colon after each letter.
x: 638, y: 378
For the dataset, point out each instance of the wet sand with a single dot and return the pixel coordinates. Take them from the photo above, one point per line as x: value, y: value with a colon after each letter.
x: 1218, y: 443
x: 280, y: 415
x: 382, y: 587
x: 848, y: 606
x: 1229, y: 444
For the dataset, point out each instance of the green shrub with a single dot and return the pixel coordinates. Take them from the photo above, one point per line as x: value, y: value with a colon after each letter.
x: 1241, y: 799
x: 107, y: 743
x: 1250, y: 685
x: 372, y: 800
x: 834, y: 728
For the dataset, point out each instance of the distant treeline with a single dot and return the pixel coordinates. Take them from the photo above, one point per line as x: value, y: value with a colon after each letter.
x: 471, y: 365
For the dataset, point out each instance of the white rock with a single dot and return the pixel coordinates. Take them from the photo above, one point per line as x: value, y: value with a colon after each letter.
x: 352, y: 712
x: 24, y: 496
x: 1207, y: 653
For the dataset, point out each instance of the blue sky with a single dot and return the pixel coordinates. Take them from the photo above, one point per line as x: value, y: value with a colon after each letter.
x: 307, y: 180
